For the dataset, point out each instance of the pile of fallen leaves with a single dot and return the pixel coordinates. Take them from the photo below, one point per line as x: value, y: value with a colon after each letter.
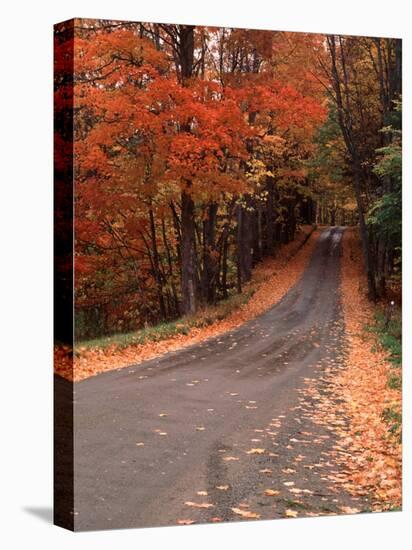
x: 270, y: 282
x: 358, y: 394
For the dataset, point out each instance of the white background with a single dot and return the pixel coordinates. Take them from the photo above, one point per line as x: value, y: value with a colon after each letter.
x: 26, y: 272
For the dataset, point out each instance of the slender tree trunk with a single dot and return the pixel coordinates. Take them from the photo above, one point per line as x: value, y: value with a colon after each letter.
x: 270, y: 217
x: 170, y: 265
x: 224, y: 265
x: 244, y: 245
x: 185, y: 48
x: 188, y: 255
x: 364, y: 236
x: 209, y: 271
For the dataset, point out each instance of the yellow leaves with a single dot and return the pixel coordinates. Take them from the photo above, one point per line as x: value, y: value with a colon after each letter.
x: 202, y: 493
x: 200, y: 428
x: 222, y: 487
x: 291, y: 513
x: 162, y: 415
x: 289, y: 483
x: 271, y: 493
x: 230, y: 458
x: 204, y: 505
x: 256, y: 451
x: 245, y: 513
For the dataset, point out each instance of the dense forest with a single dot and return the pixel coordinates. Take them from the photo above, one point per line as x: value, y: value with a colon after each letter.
x: 198, y: 151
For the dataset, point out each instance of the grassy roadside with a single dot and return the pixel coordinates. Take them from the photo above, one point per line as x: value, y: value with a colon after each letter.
x: 388, y: 331
x: 163, y: 331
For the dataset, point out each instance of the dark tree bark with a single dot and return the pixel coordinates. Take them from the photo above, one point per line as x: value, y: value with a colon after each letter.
x: 224, y: 267
x: 188, y: 255
x: 170, y: 265
x: 185, y: 62
x: 244, y: 245
x: 210, y: 265
x: 156, y: 264
x: 270, y: 216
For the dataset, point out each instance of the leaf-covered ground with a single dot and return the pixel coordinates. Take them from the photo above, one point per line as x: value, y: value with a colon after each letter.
x: 270, y: 281
x: 370, y: 452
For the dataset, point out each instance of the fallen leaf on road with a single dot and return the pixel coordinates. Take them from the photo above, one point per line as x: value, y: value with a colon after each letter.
x: 271, y: 493
x: 162, y: 414
x: 265, y: 471
x: 296, y: 491
x: 140, y: 444
x: 222, y: 487
x: 291, y: 514
x: 255, y: 451
x: 216, y: 519
x: 288, y: 483
x: 202, y: 493
x: 228, y: 458
x: 199, y: 505
x: 200, y: 428
x: 245, y: 513
x: 289, y: 471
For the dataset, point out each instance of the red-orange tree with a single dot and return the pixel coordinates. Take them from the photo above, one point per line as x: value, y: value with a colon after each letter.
x: 190, y: 149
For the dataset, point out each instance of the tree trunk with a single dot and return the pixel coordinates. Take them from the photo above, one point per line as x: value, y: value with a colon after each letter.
x: 270, y: 217
x: 364, y: 237
x: 209, y: 271
x: 188, y: 255
x: 224, y: 266
x: 244, y: 245
x: 156, y: 265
